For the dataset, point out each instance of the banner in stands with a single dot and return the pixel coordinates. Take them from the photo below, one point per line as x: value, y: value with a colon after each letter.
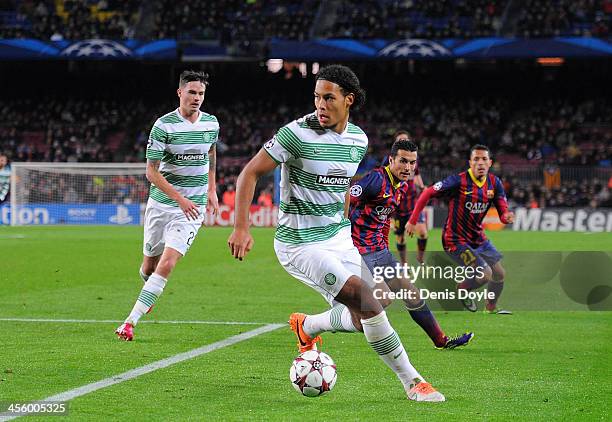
x: 92, y: 49
x: 563, y: 219
x: 416, y: 48
x: 41, y: 214
x: 526, y: 219
x: 260, y: 216
x: 545, y: 219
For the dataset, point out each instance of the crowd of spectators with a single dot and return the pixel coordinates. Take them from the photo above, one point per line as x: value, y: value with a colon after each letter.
x: 549, y: 131
x: 68, y: 19
x: 410, y: 19
x: 72, y: 130
x: 551, y: 18
x: 588, y: 192
x: 235, y: 20
x: 553, y: 130
x: 49, y: 186
x: 246, y: 21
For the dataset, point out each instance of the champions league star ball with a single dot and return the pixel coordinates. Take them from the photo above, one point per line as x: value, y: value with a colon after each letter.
x: 313, y: 373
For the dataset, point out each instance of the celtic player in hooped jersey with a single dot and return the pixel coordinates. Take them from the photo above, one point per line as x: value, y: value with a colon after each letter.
x: 181, y: 157
x: 319, y: 154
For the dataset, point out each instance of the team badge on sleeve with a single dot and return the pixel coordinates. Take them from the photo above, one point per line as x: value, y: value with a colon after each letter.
x: 437, y: 186
x: 356, y: 190
x: 270, y: 143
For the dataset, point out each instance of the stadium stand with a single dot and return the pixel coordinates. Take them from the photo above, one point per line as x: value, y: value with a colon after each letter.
x: 563, y: 17
x: 235, y: 21
x: 528, y: 138
x: 428, y: 19
x: 68, y: 19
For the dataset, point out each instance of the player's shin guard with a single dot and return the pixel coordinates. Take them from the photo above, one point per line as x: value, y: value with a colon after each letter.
x: 421, y: 246
x: 337, y: 318
x: 423, y: 316
x: 152, y: 289
x: 496, y: 287
x: 385, y: 341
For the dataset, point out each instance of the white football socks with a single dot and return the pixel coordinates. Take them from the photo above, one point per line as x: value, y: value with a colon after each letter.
x: 151, y: 290
x: 335, y: 319
x: 385, y: 341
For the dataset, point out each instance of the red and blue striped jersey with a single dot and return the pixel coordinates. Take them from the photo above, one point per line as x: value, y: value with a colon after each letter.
x: 373, y: 199
x: 408, y: 199
x: 469, y: 201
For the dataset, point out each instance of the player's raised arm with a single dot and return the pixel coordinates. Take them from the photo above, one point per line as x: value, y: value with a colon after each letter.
x: 446, y: 185
x: 240, y: 241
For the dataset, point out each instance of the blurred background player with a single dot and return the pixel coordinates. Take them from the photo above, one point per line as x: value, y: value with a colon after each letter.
x: 404, y: 210
x: 470, y: 194
x: 5, y: 178
x: 181, y: 160
x: 373, y: 199
x: 319, y: 154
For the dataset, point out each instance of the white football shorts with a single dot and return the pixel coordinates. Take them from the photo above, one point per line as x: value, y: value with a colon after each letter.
x: 163, y: 228
x: 325, y: 266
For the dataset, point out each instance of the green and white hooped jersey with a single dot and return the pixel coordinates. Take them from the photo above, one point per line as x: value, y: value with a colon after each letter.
x: 183, y: 148
x: 5, y: 182
x: 316, y: 172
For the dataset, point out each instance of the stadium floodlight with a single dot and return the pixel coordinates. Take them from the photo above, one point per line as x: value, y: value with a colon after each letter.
x: 77, y: 193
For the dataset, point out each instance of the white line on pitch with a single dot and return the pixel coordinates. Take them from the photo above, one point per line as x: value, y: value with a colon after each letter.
x: 160, y: 364
x: 104, y: 321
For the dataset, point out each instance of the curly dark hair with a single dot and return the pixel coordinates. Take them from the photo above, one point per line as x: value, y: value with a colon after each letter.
x: 346, y: 80
x: 193, y: 75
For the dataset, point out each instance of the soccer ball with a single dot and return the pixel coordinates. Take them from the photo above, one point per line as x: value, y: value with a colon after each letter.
x: 313, y: 373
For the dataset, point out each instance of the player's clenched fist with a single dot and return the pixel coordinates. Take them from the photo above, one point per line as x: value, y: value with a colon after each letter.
x: 240, y: 242
x: 507, y: 217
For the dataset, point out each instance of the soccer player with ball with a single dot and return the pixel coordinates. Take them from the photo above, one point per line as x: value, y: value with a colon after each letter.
x: 319, y: 154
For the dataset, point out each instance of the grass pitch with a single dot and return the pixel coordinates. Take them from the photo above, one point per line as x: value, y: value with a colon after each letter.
x: 531, y: 365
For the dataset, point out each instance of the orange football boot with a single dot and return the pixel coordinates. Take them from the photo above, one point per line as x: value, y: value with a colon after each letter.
x: 305, y: 342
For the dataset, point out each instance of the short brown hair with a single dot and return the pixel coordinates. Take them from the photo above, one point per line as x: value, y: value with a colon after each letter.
x: 191, y: 76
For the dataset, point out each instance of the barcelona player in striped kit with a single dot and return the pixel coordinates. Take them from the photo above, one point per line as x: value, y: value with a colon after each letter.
x: 404, y: 211
x: 373, y: 199
x: 470, y: 194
